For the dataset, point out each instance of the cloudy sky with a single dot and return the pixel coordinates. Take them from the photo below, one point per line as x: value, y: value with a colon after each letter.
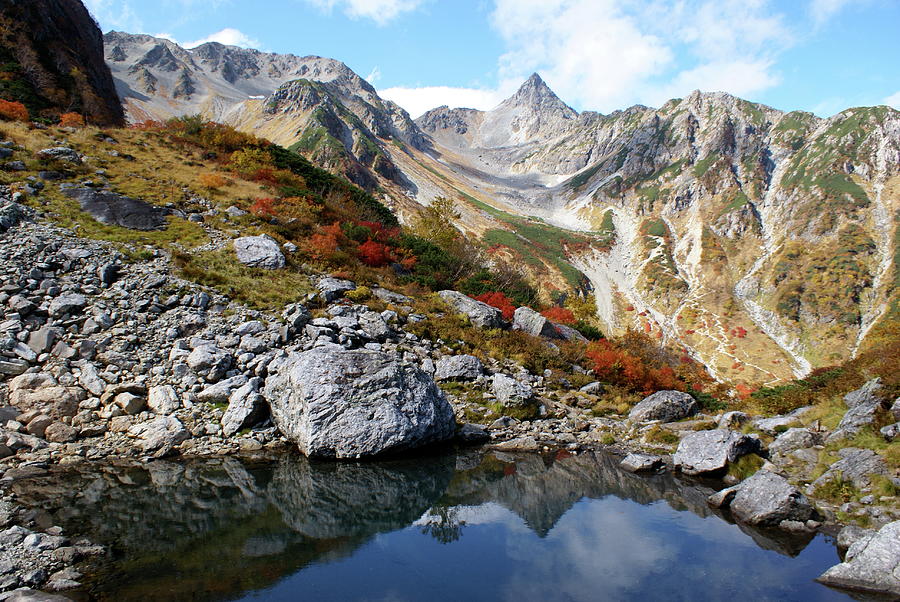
x: 815, y: 55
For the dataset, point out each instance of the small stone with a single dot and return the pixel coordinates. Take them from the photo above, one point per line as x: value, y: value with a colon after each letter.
x: 130, y: 403
x: 163, y: 399
x: 67, y: 304
x: 473, y: 434
x: 59, y: 432
x: 642, y: 463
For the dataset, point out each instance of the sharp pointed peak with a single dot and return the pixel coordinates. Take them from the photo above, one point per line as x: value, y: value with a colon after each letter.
x: 534, y: 82
x: 534, y: 92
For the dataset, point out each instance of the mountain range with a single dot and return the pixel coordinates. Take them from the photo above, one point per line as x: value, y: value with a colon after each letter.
x: 763, y: 242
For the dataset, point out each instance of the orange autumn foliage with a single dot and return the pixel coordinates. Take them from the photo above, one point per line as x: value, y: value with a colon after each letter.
x: 73, y: 120
x: 13, y: 111
x: 637, y: 362
x: 326, y: 242
x: 211, y: 180
x: 263, y: 207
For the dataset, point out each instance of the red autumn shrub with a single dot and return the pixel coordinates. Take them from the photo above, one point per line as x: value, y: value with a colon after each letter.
x: 264, y: 175
x: 263, y: 207
x: 743, y: 390
x: 559, y: 314
x: 13, y: 111
x: 374, y: 254
x: 500, y: 301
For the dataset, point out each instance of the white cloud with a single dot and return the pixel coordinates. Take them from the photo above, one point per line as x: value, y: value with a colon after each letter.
x: 374, y: 75
x: 893, y: 100
x: 608, y: 54
x: 114, y: 15
x: 740, y: 78
x: 380, y: 11
x: 418, y: 100
x: 588, y: 51
x: 823, y: 10
x: 228, y: 36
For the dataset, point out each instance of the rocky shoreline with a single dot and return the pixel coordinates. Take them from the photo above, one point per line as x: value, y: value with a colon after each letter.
x: 105, y: 358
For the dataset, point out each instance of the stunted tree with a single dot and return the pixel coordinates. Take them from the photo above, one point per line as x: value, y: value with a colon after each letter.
x: 436, y: 224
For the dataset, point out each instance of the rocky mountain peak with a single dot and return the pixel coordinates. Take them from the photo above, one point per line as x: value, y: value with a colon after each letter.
x: 536, y: 94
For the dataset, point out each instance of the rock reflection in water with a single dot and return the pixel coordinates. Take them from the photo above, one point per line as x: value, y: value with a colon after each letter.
x: 215, y: 529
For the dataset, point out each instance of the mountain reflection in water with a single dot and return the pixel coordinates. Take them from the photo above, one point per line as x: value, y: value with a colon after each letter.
x: 481, y: 526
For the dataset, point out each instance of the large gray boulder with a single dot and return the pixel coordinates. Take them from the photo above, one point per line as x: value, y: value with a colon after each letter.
x: 11, y: 214
x: 118, y: 210
x: 458, y: 367
x: 60, y: 153
x: 163, y: 399
x: 666, y: 406
x: 849, y: 535
x: 246, y: 407
x: 340, y: 403
x: 705, y: 452
x: 480, y: 314
x: 642, y: 463
x: 570, y: 334
x: 891, y: 431
x: 529, y: 321
x: 511, y: 393
x: 160, y: 435
x: 865, y: 404
x: 793, y: 439
x: 856, y: 466
x: 333, y: 289
x: 766, y: 499
x: 259, y: 252
x: 872, y: 564
x: 867, y: 394
x: 777, y: 424
x: 296, y: 315
x: 222, y: 390
x: 66, y: 304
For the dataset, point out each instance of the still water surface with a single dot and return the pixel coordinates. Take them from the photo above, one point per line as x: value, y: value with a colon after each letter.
x: 476, y: 526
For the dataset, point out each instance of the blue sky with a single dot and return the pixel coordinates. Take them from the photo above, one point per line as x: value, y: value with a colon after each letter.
x: 815, y: 55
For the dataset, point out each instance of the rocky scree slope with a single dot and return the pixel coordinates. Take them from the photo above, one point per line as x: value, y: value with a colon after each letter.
x: 51, y: 53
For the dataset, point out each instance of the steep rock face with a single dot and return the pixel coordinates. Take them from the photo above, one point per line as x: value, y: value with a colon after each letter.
x: 52, y: 51
x: 533, y: 114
